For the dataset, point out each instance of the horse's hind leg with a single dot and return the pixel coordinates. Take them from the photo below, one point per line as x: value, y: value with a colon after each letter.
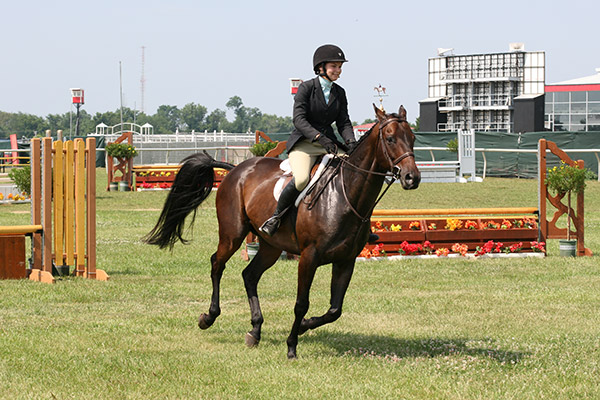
x: 341, y: 274
x: 228, y: 244
x: 264, y: 259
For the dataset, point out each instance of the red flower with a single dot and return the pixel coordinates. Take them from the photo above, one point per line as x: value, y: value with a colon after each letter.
x: 415, y: 225
x: 460, y: 248
x: 471, y: 225
x: 538, y: 246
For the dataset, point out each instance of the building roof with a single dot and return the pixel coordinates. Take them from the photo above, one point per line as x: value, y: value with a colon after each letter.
x: 586, y: 80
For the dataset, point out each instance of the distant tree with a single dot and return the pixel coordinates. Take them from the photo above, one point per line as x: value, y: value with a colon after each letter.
x: 23, y: 125
x: 192, y: 117
x: 109, y: 118
x: 217, y: 120
x: 240, y: 123
x: 67, y: 122
x: 274, y: 124
x: 166, y: 120
x: 415, y: 126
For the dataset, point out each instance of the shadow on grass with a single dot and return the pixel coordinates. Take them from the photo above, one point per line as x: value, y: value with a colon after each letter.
x: 359, y: 345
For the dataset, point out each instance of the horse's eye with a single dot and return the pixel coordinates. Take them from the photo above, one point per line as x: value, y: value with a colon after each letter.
x: 391, y: 139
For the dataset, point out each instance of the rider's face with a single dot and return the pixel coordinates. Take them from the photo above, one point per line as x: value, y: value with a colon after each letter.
x: 333, y: 70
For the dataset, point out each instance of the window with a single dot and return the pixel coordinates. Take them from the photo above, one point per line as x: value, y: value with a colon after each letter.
x: 561, y: 119
x: 594, y: 118
x: 561, y: 108
x: 561, y: 97
x: 594, y: 108
x: 577, y: 128
x: 578, y: 96
x: 594, y: 96
x: 578, y: 108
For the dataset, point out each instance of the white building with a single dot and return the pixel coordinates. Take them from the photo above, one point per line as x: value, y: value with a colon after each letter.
x: 501, y: 92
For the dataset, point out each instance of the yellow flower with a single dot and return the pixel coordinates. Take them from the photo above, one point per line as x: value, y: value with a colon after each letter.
x: 396, y: 228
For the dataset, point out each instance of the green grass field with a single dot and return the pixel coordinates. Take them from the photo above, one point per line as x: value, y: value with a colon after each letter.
x: 425, y: 329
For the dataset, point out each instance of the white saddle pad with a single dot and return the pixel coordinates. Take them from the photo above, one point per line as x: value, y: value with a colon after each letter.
x: 287, y: 171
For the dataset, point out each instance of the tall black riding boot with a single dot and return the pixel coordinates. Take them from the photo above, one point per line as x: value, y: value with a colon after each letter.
x: 286, y: 199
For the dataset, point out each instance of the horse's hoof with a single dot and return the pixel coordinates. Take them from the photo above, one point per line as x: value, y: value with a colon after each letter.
x: 292, y: 355
x: 203, y: 321
x: 251, y: 341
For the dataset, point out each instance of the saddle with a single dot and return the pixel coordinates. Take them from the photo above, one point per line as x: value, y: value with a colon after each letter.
x: 316, y: 172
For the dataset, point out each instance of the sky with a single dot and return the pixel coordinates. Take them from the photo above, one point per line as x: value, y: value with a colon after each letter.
x: 205, y: 52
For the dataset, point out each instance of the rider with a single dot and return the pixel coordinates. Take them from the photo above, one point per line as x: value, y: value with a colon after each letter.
x: 319, y: 103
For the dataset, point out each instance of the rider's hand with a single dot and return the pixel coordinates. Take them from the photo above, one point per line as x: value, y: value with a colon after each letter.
x: 327, y: 144
x: 351, y: 144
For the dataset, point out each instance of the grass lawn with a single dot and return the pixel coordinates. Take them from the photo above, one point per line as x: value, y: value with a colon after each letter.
x: 440, y: 328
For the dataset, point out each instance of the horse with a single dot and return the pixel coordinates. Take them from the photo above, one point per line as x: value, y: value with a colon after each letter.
x: 333, y: 229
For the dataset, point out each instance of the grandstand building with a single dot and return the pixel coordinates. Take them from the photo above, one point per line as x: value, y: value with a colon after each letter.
x: 498, y: 92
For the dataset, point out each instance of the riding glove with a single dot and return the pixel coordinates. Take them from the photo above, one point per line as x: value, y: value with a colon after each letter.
x: 327, y: 144
x: 351, y: 144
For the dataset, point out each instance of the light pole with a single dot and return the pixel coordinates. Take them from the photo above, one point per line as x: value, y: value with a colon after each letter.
x: 77, y: 99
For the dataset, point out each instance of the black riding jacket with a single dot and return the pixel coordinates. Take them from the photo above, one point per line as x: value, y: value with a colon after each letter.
x: 312, y: 116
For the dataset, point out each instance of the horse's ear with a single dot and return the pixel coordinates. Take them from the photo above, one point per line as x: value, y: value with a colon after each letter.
x: 402, y: 113
x: 379, y: 113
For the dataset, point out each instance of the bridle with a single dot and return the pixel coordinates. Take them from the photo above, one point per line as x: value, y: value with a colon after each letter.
x: 394, y: 172
x: 395, y: 169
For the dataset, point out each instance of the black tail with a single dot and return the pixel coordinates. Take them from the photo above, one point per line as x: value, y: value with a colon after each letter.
x: 191, y: 187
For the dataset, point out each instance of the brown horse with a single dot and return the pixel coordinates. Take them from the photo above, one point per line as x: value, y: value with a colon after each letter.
x: 333, y: 230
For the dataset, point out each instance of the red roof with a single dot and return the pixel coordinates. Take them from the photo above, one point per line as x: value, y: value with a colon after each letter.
x: 364, y: 127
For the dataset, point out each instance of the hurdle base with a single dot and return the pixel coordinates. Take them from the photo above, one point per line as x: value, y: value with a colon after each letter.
x: 100, y: 275
x: 38, y: 275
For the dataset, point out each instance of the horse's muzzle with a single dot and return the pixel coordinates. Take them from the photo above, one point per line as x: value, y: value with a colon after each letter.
x: 410, y: 180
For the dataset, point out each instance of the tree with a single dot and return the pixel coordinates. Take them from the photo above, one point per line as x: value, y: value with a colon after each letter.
x: 217, y: 120
x: 23, y: 125
x: 166, y: 120
x: 192, y: 117
x: 241, y: 123
x: 415, y: 126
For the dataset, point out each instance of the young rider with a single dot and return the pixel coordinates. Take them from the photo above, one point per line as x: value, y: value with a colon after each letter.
x: 319, y: 103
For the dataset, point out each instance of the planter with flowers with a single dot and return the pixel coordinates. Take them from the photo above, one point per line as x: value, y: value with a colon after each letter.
x: 447, y: 236
x: 123, y: 152
x: 564, y: 180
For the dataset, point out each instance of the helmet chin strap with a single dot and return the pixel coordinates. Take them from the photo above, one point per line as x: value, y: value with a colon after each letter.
x: 324, y: 74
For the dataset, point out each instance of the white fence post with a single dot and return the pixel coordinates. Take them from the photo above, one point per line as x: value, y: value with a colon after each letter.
x: 466, y: 154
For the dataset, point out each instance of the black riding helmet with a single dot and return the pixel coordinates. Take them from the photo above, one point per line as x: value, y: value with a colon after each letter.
x: 327, y: 53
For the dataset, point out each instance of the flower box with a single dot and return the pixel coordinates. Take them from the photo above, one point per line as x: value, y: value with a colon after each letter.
x: 474, y: 234
x: 163, y: 178
x: 398, y: 231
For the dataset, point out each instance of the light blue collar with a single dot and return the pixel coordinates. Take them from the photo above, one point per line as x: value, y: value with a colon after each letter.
x: 326, y: 85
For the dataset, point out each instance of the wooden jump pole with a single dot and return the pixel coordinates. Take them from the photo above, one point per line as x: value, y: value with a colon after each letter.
x: 64, y: 210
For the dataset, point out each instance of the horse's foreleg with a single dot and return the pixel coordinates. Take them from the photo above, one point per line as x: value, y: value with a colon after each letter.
x: 306, y: 273
x: 264, y: 259
x: 341, y: 274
